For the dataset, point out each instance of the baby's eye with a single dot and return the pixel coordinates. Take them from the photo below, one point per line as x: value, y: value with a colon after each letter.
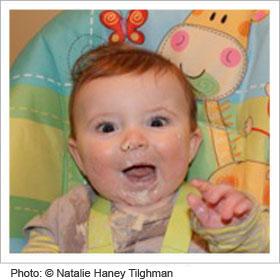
x: 106, y: 127
x: 159, y: 121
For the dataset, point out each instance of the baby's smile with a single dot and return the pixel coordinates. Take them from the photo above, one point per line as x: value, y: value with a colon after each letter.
x: 141, y: 175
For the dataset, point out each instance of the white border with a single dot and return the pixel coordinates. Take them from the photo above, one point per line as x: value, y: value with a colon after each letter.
x: 152, y: 5
x: 272, y: 257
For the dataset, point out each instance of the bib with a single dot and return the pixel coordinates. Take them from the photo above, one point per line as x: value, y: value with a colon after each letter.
x: 177, y: 236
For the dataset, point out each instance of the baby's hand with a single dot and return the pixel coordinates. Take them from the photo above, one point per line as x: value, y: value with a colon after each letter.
x: 219, y: 205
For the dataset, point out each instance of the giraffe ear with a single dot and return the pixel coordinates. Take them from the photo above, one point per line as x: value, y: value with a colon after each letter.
x: 259, y: 15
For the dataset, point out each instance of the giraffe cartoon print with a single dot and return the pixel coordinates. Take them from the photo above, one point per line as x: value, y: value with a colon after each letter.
x: 211, y: 47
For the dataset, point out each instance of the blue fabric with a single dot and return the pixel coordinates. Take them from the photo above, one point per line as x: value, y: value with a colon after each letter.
x: 16, y: 244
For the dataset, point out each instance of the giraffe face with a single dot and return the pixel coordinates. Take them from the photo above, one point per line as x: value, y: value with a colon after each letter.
x: 213, y: 61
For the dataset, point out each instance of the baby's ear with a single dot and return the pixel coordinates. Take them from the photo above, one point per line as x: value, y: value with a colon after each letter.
x: 74, y: 151
x: 195, y: 142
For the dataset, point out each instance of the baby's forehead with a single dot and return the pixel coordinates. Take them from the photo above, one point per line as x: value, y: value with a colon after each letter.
x: 148, y: 80
x: 145, y: 90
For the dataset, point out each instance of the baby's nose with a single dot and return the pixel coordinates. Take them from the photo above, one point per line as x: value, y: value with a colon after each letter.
x: 134, y: 139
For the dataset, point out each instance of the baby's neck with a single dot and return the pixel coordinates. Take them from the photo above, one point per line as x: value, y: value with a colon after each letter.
x: 147, y: 209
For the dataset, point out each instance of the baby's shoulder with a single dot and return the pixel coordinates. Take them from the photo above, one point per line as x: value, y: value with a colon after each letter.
x: 81, y: 193
x: 73, y: 207
x: 79, y: 199
x: 63, y: 219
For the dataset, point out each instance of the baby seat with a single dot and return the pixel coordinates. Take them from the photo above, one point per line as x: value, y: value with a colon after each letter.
x: 230, y: 52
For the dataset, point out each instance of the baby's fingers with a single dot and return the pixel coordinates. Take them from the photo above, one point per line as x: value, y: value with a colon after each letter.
x: 215, y: 194
x: 243, y: 207
x: 227, y: 208
x: 207, y: 216
x: 201, y: 185
x: 199, y: 208
x: 212, y: 194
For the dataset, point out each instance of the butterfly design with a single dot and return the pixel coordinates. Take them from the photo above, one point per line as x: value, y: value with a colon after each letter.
x: 122, y: 27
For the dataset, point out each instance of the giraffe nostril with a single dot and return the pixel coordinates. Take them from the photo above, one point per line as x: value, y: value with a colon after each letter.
x: 212, y: 17
x: 224, y: 19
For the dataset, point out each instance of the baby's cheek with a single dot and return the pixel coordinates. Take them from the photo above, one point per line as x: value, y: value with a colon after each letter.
x: 99, y: 172
x: 175, y: 152
x: 98, y: 159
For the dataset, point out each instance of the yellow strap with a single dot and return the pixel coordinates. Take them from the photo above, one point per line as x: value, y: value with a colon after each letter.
x: 177, y: 237
x: 99, y: 230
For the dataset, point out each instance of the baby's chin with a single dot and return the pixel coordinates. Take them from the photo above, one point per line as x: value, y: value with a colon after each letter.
x: 139, y: 198
x: 139, y: 202
x: 143, y: 202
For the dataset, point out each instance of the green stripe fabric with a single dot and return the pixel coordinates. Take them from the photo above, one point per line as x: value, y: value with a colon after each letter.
x: 23, y: 209
x: 39, y: 104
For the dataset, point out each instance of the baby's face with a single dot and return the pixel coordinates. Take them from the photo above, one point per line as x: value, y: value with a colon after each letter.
x: 133, y: 138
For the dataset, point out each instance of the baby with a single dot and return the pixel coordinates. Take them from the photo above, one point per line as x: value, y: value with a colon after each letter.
x: 133, y: 136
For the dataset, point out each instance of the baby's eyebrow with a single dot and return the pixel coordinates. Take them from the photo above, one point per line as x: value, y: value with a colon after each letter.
x: 160, y: 109
x: 106, y: 116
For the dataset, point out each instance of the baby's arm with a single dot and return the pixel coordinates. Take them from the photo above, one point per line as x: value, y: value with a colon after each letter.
x: 228, y: 219
x: 62, y: 227
x: 40, y: 241
x: 41, y: 231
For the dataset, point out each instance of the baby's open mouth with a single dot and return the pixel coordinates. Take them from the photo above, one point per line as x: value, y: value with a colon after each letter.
x: 140, y: 173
